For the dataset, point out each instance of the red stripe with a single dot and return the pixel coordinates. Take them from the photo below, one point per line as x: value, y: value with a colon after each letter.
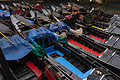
x: 103, y: 40
x: 75, y: 12
x: 34, y: 68
x: 49, y: 75
x: 84, y: 47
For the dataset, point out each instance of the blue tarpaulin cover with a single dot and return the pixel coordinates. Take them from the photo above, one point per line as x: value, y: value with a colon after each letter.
x: 7, y: 13
x: 54, y: 27
x: 4, y: 14
x: 34, y: 34
x: 17, y: 51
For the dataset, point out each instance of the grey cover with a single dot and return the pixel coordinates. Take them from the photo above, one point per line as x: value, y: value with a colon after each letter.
x: 3, y: 28
x: 111, y: 41
x: 113, y: 19
x: 110, y: 29
x: 43, y: 17
x: 107, y: 55
x: 45, y: 12
x: 116, y: 30
x: 56, y: 14
x: 22, y: 19
x: 57, y: 8
x: 32, y: 14
x: 117, y: 44
x: 53, y: 8
x: 115, y: 60
x: 116, y: 23
x: 77, y: 5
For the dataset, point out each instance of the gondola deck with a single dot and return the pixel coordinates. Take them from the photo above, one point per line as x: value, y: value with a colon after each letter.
x: 84, y: 47
x: 70, y: 64
x: 59, y: 57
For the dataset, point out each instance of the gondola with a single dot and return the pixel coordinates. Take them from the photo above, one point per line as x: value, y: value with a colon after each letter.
x: 87, y: 43
x: 23, y: 63
x: 58, y: 55
x: 96, y: 35
x: 111, y: 27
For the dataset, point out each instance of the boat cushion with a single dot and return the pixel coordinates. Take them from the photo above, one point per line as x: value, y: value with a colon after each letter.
x: 17, y: 51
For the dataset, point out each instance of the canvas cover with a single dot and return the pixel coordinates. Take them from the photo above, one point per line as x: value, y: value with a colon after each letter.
x: 4, y: 28
x: 17, y: 51
x: 22, y: 19
x: 43, y: 17
x: 34, y: 34
x: 54, y: 27
x: 4, y: 14
x: 14, y: 20
x: 45, y: 12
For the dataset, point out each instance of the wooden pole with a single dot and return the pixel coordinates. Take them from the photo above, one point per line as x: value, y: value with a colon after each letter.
x: 6, y: 38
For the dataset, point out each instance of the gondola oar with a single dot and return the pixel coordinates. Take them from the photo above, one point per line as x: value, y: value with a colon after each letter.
x: 6, y: 38
x: 56, y: 19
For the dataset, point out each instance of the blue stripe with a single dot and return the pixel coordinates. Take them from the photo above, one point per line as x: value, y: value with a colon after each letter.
x: 58, y: 52
x: 68, y: 65
x: 31, y: 21
x: 72, y: 68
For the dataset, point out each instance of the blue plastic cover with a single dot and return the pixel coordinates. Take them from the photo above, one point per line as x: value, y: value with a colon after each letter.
x: 17, y: 51
x: 54, y: 27
x: 7, y: 13
x: 1, y: 13
x: 4, y: 14
x: 34, y: 34
x: 1, y: 10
